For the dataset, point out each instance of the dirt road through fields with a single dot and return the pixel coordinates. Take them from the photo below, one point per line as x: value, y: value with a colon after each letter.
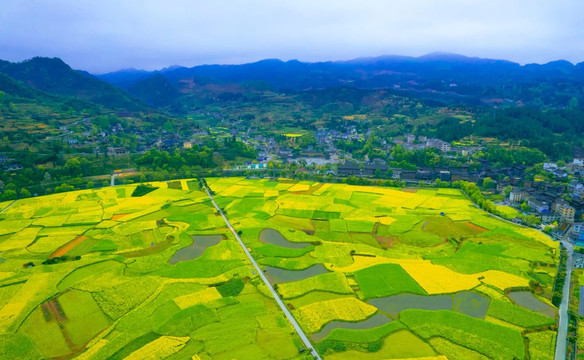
x: 265, y: 280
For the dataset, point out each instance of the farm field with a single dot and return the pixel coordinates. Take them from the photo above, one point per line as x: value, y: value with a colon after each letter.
x: 369, y: 273
x: 422, y: 268
x: 104, y: 275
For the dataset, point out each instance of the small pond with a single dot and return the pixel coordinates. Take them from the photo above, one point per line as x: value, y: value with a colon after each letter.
x: 374, y: 321
x: 393, y: 305
x: 527, y: 300
x: 465, y: 302
x: 196, y: 249
x: 271, y: 236
x: 278, y: 276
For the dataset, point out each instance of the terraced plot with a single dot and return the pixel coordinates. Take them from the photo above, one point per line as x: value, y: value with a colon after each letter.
x: 117, y: 277
x: 409, y: 254
x: 368, y: 272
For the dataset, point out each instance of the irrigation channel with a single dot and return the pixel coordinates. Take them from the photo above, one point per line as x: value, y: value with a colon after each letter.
x: 297, y: 327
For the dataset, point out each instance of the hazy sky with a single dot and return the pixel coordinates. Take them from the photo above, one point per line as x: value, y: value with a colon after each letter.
x: 106, y: 35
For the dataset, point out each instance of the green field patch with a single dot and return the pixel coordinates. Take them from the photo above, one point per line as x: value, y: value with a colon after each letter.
x: 326, y: 215
x: 491, y: 340
x: 363, y: 334
x: 276, y: 345
x: 231, y: 288
x: 398, y: 345
x: 418, y: 237
x: 116, y: 301
x: 270, y: 250
x: 134, y: 345
x: 334, y: 282
x: 364, y: 226
x: 321, y: 225
x: 248, y: 204
x: 316, y: 296
x: 297, y: 213
x: 87, y: 272
x: 46, y: 335
x: 473, y: 258
x: 542, y: 345
x: 358, y: 197
x: 298, y: 263
x: 200, y: 268
x: 374, y: 321
x: 444, y: 227
x: 18, y: 346
x: 292, y: 222
x: 104, y: 245
x: 514, y: 314
x: 454, y: 351
x: 277, y: 276
x: 341, y: 201
x: 13, y: 226
x: 84, y: 317
x: 403, y: 224
x: 384, y: 280
x: 187, y: 320
x: 338, y: 225
x: 542, y: 278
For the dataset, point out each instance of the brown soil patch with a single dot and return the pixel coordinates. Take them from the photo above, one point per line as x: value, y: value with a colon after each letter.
x: 475, y: 227
x: 309, y: 232
x: 384, y: 242
x: 118, y: 216
x: 409, y: 190
x: 68, y: 246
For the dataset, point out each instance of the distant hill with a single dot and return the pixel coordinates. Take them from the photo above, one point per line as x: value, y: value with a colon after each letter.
x: 53, y: 76
x: 156, y: 90
x: 17, y: 92
x: 454, y: 78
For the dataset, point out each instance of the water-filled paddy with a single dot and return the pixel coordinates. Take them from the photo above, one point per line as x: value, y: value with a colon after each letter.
x: 271, y: 236
x: 465, y: 302
x: 527, y: 300
x: 278, y: 276
x: 374, y: 321
x: 196, y: 249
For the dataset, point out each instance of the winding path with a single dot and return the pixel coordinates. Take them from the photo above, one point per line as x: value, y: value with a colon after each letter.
x: 265, y: 280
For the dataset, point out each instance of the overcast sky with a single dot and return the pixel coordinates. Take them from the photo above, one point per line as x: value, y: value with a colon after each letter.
x: 106, y: 35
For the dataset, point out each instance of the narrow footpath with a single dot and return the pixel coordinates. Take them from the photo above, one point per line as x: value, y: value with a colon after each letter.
x: 562, y: 339
x: 265, y: 280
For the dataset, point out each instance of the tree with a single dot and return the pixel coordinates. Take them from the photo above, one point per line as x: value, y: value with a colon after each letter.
x: 9, y: 195
x: 488, y: 183
x: 73, y: 166
x: 24, y: 193
x: 90, y: 185
x: 507, y: 190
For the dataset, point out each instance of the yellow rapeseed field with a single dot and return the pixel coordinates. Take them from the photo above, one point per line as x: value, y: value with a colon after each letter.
x: 27, y: 292
x: 315, y: 316
x: 92, y: 350
x: 438, y: 279
x: 160, y: 348
x: 502, y: 280
x: 299, y: 187
x: 270, y: 193
x: 199, y: 297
